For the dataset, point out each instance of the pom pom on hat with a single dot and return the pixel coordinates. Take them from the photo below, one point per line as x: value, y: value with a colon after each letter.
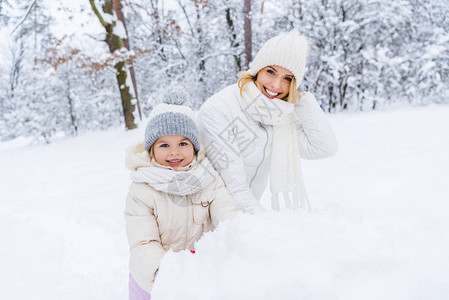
x: 176, y: 97
x: 288, y: 50
x: 172, y: 117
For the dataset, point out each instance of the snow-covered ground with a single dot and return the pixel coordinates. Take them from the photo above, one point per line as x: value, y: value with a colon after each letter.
x: 379, y: 229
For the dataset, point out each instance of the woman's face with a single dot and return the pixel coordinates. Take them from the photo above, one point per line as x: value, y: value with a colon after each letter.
x: 274, y: 81
x: 175, y: 151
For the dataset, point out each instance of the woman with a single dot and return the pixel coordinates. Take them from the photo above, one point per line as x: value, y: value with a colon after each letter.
x: 262, y: 126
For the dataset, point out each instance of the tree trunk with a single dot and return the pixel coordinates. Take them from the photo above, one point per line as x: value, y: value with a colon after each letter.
x: 248, y: 34
x: 72, y: 112
x: 118, y: 10
x: 234, y: 43
x: 199, y: 4
x: 116, y: 43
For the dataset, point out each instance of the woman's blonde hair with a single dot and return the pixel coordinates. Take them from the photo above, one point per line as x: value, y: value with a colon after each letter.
x: 246, y: 77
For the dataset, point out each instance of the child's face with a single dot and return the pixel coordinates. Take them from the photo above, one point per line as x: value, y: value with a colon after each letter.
x: 175, y: 151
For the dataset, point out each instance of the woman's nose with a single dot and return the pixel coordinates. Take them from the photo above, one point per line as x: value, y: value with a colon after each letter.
x: 276, y: 84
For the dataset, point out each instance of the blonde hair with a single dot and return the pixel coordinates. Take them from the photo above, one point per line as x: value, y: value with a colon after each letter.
x: 246, y: 77
x: 151, y: 151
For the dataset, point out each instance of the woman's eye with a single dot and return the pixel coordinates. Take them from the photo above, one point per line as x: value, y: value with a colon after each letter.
x: 271, y: 72
x: 289, y: 79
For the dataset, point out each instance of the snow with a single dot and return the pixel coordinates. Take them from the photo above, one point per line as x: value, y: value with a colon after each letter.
x: 72, y: 18
x: 119, y: 30
x: 108, y: 18
x: 379, y: 228
x: 75, y: 23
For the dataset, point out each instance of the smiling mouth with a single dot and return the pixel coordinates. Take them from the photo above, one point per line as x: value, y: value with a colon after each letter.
x: 270, y: 93
x: 175, y: 161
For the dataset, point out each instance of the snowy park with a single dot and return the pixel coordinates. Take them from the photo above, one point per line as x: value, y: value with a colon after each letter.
x: 378, y: 229
x: 79, y: 81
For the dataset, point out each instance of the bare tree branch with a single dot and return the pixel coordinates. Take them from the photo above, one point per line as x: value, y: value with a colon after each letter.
x: 97, y: 13
x: 187, y: 17
x: 26, y: 15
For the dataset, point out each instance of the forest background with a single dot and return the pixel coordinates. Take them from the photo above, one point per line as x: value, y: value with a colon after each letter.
x: 68, y: 67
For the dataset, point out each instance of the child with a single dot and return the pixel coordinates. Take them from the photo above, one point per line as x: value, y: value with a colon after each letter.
x: 176, y: 194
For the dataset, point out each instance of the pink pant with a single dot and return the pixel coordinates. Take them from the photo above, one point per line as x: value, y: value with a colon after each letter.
x: 136, y: 292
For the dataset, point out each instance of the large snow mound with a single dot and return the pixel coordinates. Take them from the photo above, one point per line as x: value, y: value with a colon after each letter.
x: 335, y: 253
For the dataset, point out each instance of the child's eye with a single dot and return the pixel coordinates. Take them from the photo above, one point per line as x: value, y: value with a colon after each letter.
x: 183, y: 144
x: 164, y: 146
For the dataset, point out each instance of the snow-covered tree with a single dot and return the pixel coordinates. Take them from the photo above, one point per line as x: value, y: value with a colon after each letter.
x: 365, y: 54
x: 111, y: 17
x: 33, y: 95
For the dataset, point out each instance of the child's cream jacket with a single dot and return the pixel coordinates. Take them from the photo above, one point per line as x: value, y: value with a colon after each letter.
x: 157, y: 221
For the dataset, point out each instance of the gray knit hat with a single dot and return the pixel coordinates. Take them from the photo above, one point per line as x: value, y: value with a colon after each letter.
x: 288, y: 50
x: 172, y: 117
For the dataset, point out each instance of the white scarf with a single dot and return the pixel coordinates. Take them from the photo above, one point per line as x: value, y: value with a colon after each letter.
x: 285, y: 169
x: 186, y: 181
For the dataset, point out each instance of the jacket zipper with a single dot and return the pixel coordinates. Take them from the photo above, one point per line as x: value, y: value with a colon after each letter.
x: 263, y: 158
x: 190, y: 205
x: 173, y: 208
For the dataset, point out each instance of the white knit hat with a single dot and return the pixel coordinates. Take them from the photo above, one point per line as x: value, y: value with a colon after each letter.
x: 172, y: 117
x: 288, y: 50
